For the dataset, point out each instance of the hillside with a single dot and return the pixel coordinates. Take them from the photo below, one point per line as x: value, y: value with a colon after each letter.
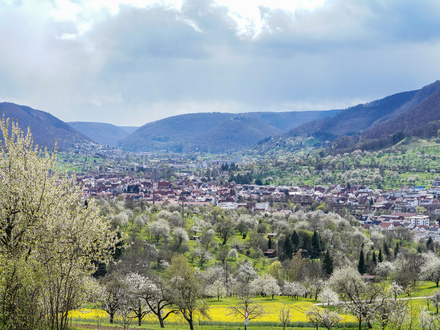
x: 354, y: 119
x: 234, y: 134
x: 420, y: 118
x: 100, y: 132
x: 371, y: 126
x: 423, y: 121
x: 45, y: 128
x: 174, y: 133
x: 129, y: 129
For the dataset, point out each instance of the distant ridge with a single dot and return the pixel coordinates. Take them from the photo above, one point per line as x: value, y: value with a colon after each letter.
x: 355, y: 119
x: 45, y: 128
x: 189, y: 132
x: 100, y: 132
x: 235, y: 134
x: 129, y: 129
x: 371, y: 126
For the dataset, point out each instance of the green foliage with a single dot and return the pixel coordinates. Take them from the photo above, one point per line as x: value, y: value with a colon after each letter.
x: 50, y: 242
x: 362, y: 266
x: 327, y: 263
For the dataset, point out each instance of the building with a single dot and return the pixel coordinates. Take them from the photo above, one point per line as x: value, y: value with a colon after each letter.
x: 420, y: 220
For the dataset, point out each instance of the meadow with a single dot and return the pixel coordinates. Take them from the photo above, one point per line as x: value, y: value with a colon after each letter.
x: 220, y: 318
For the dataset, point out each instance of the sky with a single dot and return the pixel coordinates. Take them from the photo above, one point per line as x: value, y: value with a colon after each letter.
x: 129, y: 62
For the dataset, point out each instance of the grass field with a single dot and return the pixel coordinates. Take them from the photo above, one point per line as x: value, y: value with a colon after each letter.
x: 220, y: 318
x: 219, y: 314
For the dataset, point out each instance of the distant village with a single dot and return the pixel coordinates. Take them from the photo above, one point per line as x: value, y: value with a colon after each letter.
x: 411, y: 207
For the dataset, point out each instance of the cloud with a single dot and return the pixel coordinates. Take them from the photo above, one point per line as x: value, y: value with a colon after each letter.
x: 130, y: 62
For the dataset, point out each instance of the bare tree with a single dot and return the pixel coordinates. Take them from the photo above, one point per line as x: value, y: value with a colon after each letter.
x: 284, y: 315
x: 246, y: 303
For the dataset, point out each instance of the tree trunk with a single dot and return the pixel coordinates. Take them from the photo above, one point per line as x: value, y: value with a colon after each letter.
x: 191, y: 325
x: 111, y: 317
x: 162, y: 325
x: 360, y: 324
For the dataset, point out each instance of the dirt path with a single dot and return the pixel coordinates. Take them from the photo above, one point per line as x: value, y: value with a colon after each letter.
x: 409, y: 298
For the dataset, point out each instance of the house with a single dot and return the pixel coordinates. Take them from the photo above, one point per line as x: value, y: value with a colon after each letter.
x: 365, y: 219
x: 270, y: 253
x: 163, y: 185
x: 386, y: 225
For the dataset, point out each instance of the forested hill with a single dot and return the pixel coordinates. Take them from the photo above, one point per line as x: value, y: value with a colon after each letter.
x: 191, y: 131
x: 234, y: 134
x: 354, y: 119
x: 420, y: 117
x: 100, y: 132
x: 371, y: 126
x: 45, y: 128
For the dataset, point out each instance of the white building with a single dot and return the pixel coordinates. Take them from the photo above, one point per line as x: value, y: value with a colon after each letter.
x: 420, y: 220
x: 227, y: 205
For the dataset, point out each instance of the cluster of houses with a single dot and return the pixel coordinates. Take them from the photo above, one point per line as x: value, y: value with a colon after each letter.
x: 418, y: 224
x: 386, y: 210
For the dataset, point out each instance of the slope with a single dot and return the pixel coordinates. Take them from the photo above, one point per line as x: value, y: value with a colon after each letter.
x: 354, y: 119
x: 422, y: 121
x: 44, y: 127
x: 129, y: 129
x: 173, y: 133
x: 232, y: 135
x: 100, y: 132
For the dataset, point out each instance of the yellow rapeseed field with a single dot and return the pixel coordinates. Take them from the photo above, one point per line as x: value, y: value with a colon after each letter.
x: 219, y: 313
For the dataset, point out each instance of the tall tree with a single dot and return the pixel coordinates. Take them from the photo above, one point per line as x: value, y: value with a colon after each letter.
x: 225, y: 228
x: 362, y: 267
x: 380, y: 258
x: 396, y: 249
x: 306, y: 242
x: 295, y: 240
x: 386, y: 249
x: 288, y: 249
x: 187, y: 294
x: 50, y: 243
x: 316, y: 243
x: 327, y: 263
